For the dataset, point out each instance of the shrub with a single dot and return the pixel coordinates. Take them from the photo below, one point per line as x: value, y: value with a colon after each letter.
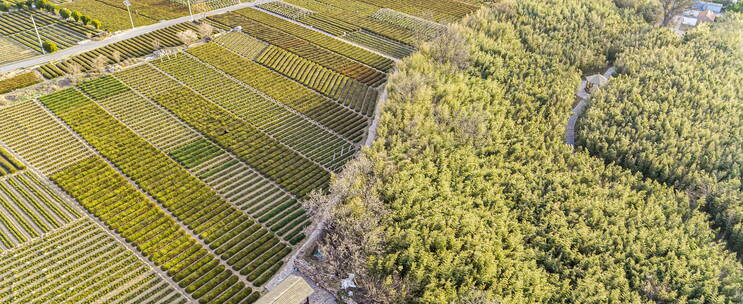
x: 85, y: 19
x: 49, y: 46
x: 17, y: 82
x: 76, y: 15
x: 96, y: 23
x: 5, y: 6
x: 65, y: 13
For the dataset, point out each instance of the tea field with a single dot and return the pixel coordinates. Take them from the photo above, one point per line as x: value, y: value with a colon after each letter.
x: 179, y: 179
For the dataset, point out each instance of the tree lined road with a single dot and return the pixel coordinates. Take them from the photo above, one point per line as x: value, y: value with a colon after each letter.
x: 43, y: 59
x: 62, y: 54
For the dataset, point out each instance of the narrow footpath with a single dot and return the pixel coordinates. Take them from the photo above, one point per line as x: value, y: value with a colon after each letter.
x: 583, y: 98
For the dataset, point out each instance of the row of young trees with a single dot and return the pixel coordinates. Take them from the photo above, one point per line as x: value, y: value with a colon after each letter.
x: 469, y: 194
x: 64, y: 13
x: 676, y: 114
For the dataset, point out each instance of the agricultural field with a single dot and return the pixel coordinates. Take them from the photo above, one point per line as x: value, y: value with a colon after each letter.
x: 131, y: 48
x: 115, y: 17
x: 19, y: 81
x: 378, y: 25
x: 179, y: 177
x: 14, y: 51
x: 112, y: 17
x: 17, y: 26
x: 80, y: 263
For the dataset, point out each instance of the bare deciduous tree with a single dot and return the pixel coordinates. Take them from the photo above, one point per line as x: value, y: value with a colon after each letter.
x: 74, y: 70
x: 673, y: 8
x: 205, y: 30
x: 451, y: 47
x: 349, y: 217
x: 187, y: 37
x: 99, y: 63
x: 116, y: 56
x: 156, y: 45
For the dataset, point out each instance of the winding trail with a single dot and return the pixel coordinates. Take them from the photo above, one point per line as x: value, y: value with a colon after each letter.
x: 583, y: 98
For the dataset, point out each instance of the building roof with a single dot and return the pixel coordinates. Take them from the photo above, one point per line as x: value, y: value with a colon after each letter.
x: 707, y: 16
x: 293, y: 290
x: 689, y: 21
x: 708, y: 6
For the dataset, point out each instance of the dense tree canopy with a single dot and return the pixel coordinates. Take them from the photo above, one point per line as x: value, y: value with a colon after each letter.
x: 469, y: 194
x: 675, y: 113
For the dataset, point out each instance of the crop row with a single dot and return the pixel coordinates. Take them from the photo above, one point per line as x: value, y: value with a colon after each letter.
x: 242, y: 44
x: 18, y: 81
x: 13, y: 51
x: 103, y: 87
x: 79, y: 263
x: 130, y: 48
x: 317, y: 53
x: 29, y: 131
x: 285, y: 126
x: 18, y: 26
x: 252, y: 193
x: 346, y: 91
x: 112, y: 18
x: 287, y: 168
x: 195, y: 153
x: 427, y: 29
x: 231, y: 178
x: 316, y: 20
x: 156, y: 126
x: 379, y: 43
x: 62, y: 36
x: 27, y: 212
x: 192, y: 202
x: 286, y: 10
x: 109, y: 196
x: 442, y: 11
x: 379, y: 62
x: 332, y: 115
x: 360, y: 8
x: 8, y: 163
x: 339, y: 21
x: 20, y: 21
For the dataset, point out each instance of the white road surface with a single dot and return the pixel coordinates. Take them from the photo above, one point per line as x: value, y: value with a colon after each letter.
x: 43, y: 59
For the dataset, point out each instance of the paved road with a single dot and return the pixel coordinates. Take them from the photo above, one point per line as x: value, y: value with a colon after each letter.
x: 43, y: 59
